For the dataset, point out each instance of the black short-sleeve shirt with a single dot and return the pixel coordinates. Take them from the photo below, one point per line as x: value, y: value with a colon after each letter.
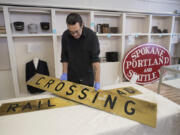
x: 80, y: 54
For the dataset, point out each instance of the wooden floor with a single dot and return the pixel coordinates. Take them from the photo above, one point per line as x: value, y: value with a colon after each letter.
x: 168, y: 92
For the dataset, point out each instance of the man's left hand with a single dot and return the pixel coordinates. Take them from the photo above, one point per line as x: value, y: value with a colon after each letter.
x: 97, y: 86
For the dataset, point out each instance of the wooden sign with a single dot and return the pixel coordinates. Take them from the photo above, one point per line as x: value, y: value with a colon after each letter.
x: 128, y: 107
x: 126, y: 91
x: 50, y: 103
x: 144, y: 62
x: 33, y: 105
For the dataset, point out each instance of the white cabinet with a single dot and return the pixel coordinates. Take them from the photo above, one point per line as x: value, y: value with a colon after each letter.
x: 177, y: 25
x: 133, y: 40
x: 4, y: 54
x: 136, y: 30
x: 24, y: 45
x: 29, y: 16
x: 162, y: 22
x: 137, y: 23
x: 7, y: 87
x: 2, y: 23
x: 110, y: 41
x: 29, y: 45
x: 163, y: 40
x: 113, y: 19
x: 131, y: 29
x: 163, y: 35
x: 6, y: 83
x: 175, y: 39
x: 110, y: 73
x: 26, y: 49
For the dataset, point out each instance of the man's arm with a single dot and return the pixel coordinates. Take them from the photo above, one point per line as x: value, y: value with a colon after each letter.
x: 95, y: 51
x: 65, y: 67
x: 96, y: 70
x: 64, y: 59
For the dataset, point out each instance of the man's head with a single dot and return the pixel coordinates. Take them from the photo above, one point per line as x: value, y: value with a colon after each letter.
x: 74, y: 24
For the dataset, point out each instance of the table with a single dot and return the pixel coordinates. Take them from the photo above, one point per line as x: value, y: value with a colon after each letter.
x: 171, y: 75
x: 83, y: 120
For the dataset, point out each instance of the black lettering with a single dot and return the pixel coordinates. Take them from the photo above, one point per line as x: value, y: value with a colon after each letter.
x: 39, y: 104
x: 37, y: 83
x: 112, y: 103
x: 49, y: 103
x: 95, y: 97
x: 132, y: 109
x: 28, y: 105
x: 120, y: 92
x: 12, y: 107
x: 129, y: 90
x: 83, y: 92
x: 61, y: 84
x: 49, y: 83
x: 72, y: 91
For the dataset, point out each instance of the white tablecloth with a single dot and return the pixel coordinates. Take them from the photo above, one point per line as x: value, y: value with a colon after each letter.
x: 83, y: 120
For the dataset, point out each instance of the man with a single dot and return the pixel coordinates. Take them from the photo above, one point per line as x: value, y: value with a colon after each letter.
x: 80, y: 53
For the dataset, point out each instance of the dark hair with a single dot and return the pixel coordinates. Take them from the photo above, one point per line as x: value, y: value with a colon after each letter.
x: 73, y: 18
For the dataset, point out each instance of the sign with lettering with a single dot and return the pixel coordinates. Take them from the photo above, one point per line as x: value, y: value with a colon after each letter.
x: 119, y: 104
x: 144, y: 62
x: 34, y: 105
x: 50, y: 103
x: 126, y: 91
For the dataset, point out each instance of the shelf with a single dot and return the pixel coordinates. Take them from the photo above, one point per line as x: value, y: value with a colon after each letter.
x: 107, y: 14
x: 162, y: 16
x: 137, y: 23
x: 160, y: 34
x: 2, y: 70
x: 59, y: 34
x: 162, y: 22
x: 137, y: 34
x: 30, y: 11
x: 137, y: 15
x: 32, y: 35
x: 70, y: 11
x: 109, y: 34
x: 3, y: 35
x: 175, y: 34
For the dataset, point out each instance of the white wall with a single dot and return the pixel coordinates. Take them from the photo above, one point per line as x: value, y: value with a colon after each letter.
x: 124, y: 5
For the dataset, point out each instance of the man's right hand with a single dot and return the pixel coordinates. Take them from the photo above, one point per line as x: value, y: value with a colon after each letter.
x: 63, y: 77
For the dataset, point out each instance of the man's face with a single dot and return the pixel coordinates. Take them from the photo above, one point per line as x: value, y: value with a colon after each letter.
x: 75, y: 30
